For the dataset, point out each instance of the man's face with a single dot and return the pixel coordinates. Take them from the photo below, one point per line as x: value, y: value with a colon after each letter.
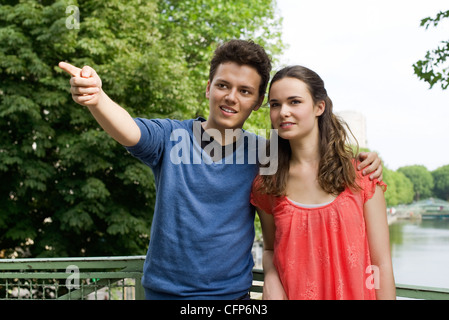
x: 233, y: 94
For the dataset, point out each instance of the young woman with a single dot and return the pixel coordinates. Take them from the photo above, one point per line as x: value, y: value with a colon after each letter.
x: 324, y: 225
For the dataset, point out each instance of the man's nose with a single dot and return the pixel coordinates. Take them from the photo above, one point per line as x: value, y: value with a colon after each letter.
x: 231, y: 96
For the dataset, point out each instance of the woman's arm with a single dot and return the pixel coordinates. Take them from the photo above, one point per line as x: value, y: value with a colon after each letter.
x: 272, y: 287
x: 379, y: 244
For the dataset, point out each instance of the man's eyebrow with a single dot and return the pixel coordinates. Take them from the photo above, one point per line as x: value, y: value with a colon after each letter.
x: 248, y: 87
x: 222, y: 80
x: 227, y: 82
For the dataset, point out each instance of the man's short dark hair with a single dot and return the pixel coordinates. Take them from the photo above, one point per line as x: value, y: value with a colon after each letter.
x: 243, y: 52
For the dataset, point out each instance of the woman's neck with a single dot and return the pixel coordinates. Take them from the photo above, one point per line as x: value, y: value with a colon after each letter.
x: 303, y: 185
x: 305, y: 151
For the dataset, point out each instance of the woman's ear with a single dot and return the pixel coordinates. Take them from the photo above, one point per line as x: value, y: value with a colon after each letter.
x: 320, y: 107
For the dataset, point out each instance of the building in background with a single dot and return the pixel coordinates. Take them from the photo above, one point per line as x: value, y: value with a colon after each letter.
x: 357, y: 123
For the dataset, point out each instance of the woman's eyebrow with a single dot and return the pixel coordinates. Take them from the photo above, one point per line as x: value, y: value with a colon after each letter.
x: 289, y: 98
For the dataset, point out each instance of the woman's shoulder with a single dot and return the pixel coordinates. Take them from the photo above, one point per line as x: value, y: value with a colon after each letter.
x: 368, y: 185
x: 260, y: 198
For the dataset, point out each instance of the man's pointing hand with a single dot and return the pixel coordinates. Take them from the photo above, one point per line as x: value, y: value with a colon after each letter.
x: 85, y: 84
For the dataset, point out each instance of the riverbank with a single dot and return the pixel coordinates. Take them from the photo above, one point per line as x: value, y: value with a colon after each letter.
x: 391, y: 219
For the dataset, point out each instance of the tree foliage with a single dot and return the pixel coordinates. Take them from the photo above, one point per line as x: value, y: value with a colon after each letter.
x: 399, y: 188
x: 68, y: 189
x: 421, y: 178
x: 434, y: 68
x: 441, y: 180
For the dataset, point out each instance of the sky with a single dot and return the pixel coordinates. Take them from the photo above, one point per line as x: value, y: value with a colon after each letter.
x: 364, y: 52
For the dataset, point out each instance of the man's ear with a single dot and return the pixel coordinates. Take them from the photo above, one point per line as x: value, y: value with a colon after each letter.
x: 208, y: 89
x: 259, y: 103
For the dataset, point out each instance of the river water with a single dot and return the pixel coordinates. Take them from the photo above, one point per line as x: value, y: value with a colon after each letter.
x: 420, y: 252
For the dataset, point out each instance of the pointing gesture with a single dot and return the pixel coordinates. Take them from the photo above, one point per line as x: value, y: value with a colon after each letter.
x: 85, y: 84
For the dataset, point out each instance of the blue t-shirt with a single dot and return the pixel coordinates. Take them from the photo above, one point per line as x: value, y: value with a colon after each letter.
x: 203, y: 225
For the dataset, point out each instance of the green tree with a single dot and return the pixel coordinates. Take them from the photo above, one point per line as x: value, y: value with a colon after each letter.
x: 441, y: 180
x: 421, y: 178
x: 68, y: 189
x: 434, y: 68
x: 399, y: 188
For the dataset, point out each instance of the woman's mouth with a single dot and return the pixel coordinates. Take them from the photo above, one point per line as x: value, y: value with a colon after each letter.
x: 286, y: 124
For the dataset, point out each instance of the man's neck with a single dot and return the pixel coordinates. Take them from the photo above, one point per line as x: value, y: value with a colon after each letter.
x: 221, y: 135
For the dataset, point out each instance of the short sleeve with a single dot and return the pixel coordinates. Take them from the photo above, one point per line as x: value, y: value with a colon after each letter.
x: 369, y: 187
x: 261, y: 200
x: 150, y: 147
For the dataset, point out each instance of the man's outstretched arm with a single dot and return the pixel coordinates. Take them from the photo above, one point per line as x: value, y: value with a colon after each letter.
x: 86, y: 90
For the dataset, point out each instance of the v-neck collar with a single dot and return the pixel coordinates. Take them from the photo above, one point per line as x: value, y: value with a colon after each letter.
x: 226, y: 150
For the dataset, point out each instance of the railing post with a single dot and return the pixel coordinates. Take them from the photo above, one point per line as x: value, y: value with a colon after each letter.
x: 139, y: 291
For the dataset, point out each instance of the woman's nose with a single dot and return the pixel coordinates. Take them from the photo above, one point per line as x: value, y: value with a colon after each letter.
x: 285, y: 111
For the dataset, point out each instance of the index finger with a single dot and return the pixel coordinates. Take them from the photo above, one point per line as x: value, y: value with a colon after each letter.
x: 70, y: 69
x: 371, y: 166
x: 364, y: 160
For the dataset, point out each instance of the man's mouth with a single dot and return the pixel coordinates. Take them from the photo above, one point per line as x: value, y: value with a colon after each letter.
x: 228, y: 110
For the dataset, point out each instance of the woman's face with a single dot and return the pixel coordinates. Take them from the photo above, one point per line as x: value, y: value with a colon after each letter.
x: 292, y: 109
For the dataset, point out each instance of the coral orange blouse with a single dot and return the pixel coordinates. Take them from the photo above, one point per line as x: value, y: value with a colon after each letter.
x: 322, y: 253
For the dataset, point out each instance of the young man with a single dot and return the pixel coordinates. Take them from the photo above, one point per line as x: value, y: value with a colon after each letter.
x: 203, y: 225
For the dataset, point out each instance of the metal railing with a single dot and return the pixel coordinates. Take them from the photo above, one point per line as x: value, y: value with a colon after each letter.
x: 402, y: 290
x: 115, y: 278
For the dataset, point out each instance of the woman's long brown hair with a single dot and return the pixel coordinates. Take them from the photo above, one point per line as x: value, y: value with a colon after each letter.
x: 336, y: 168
